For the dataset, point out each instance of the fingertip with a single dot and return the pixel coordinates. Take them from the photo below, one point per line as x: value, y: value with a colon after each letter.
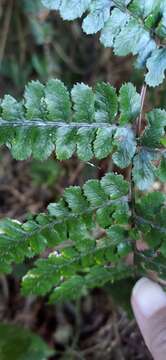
x: 148, y: 301
x: 147, y: 297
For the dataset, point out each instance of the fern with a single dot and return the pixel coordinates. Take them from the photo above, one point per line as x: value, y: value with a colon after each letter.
x: 90, y: 231
x: 44, y: 121
x: 133, y: 26
x: 95, y: 123
x: 25, y: 240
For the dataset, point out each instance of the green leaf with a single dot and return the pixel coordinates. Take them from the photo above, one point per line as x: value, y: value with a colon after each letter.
x: 114, y: 185
x: 38, y: 243
x: 75, y: 199
x: 73, y: 9
x: 133, y: 38
x: 125, y: 142
x: 34, y: 92
x: 104, y: 216
x: 156, y: 65
x: 103, y: 144
x: 99, y: 14
x: 94, y: 192
x: 71, y: 289
x: 112, y: 27
x: 83, y: 98
x: 85, y: 139
x: 151, y: 212
x: 13, y: 244
x: 57, y: 101
x: 69, y: 10
x: 161, y: 28
x: 21, y: 144
x: 44, y: 276
x: 18, y: 343
x: 161, y: 173
x: 42, y: 144
x: 11, y: 109
x: 144, y: 172
x: 101, y: 275
x: 155, y: 129
x: 58, y: 209
x: 117, y: 234
x: 143, y: 8
x: 65, y: 143
x: 144, y: 55
x: 48, y: 272
x: 130, y: 103
x: 122, y: 213
x: 106, y: 103
x: 150, y: 204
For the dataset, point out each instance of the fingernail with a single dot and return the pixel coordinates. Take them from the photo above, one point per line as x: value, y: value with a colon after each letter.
x: 149, y: 297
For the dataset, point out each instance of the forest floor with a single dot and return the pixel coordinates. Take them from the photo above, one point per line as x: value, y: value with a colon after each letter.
x: 93, y: 328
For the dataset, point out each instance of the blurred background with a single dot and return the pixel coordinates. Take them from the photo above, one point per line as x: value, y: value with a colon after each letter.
x: 37, y: 44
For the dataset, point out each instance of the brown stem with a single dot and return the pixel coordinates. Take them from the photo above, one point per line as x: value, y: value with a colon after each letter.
x: 132, y: 184
x: 139, y: 120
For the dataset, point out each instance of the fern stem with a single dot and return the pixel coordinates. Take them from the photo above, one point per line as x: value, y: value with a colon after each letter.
x: 52, y: 124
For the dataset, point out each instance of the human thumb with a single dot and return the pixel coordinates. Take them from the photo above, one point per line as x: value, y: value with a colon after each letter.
x: 149, y: 305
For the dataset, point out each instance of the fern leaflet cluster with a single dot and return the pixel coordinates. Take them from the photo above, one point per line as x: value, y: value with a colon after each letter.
x: 95, y: 124
x: 128, y: 26
x: 89, y: 233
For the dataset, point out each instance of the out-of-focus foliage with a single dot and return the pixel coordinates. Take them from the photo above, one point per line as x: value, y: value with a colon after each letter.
x: 45, y: 173
x: 26, y: 35
x: 19, y: 343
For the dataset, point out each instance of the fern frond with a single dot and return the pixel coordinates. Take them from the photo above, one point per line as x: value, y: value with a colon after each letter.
x: 89, y: 231
x: 90, y: 123
x: 73, y: 220
x: 68, y: 273
x: 128, y: 26
x: 47, y: 120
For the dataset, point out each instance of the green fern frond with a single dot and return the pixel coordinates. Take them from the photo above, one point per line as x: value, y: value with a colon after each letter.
x: 69, y: 272
x: 127, y: 26
x: 48, y: 120
x: 90, y: 232
x: 79, y: 212
x: 90, y: 123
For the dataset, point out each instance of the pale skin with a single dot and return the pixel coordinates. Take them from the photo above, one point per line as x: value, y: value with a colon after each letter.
x: 149, y: 305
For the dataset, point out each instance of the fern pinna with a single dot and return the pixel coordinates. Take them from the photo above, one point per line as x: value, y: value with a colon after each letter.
x: 91, y: 231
